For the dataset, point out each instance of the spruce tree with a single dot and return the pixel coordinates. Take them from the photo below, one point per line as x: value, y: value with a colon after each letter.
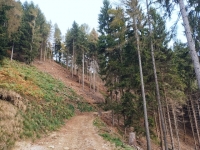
x: 3, y: 30
x: 186, y: 24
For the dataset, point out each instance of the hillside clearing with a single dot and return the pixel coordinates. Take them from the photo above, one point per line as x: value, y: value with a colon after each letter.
x: 46, y: 106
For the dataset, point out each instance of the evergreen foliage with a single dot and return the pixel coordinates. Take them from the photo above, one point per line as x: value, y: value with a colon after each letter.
x: 3, y: 29
x: 118, y: 61
x: 26, y: 32
x: 112, y: 52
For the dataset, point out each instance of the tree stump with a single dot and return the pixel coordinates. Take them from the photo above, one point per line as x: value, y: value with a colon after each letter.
x: 132, y: 138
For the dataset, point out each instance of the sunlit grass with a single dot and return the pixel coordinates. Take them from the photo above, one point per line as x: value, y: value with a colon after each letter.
x: 46, y: 105
x: 108, y: 136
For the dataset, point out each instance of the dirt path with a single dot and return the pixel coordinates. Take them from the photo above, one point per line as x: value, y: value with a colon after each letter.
x: 78, y: 133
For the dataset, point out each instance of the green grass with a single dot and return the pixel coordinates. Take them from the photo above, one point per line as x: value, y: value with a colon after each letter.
x: 84, y: 107
x: 46, y: 99
x: 111, y: 137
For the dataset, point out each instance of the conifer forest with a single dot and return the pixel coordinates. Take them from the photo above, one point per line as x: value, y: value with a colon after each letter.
x: 152, y: 80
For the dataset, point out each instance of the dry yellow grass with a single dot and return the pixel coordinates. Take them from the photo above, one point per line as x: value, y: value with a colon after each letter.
x: 12, y: 97
x: 10, y: 119
x: 11, y: 78
x: 10, y: 124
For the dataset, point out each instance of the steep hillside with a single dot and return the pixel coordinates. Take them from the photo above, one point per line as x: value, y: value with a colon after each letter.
x: 64, y: 75
x: 32, y: 103
x: 35, y: 101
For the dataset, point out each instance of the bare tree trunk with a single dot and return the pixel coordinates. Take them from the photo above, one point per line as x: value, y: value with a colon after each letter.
x: 94, y: 82
x: 183, y: 124
x: 113, y: 120
x: 62, y: 56
x: 192, y: 126
x: 90, y: 80
x: 198, y: 108
x: 44, y: 53
x: 73, y: 62
x: 143, y: 90
x: 195, y: 120
x: 158, y: 98
x: 52, y: 55
x: 168, y: 115
x: 197, y: 102
x: 98, y: 84
x: 161, y: 132
x: 67, y: 61
x: 190, y: 41
x: 11, y: 57
x: 170, y: 126
x: 116, y: 99
x: 79, y: 79
x: 156, y: 81
x: 88, y: 72
x: 165, y: 120
x: 30, y: 52
x: 41, y: 51
x: 83, y: 70
x: 176, y: 125
x: 155, y: 119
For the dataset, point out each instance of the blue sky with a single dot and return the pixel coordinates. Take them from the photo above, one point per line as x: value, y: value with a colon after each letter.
x: 64, y: 12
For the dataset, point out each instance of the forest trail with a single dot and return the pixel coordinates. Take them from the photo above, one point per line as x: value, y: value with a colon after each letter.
x: 78, y: 133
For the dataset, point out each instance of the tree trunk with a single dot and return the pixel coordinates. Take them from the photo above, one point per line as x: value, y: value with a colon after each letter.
x: 30, y: 53
x: 143, y: 91
x: 161, y: 132
x: 170, y: 126
x: 155, y: 119
x: 197, y: 102
x: 192, y: 126
x: 183, y: 119
x: 113, y: 119
x: 11, y: 57
x: 73, y: 61
x: 116, y: 99
x: 51, y: 55
x: 158, y: 98
x: 90, y: 80
x: 168, y: 115
x: 41, y: 52
x: 45, y: 52
x: 156, y: 81
x: 83, y: 71
x: 94, y: 82
x: 195, y: 120
x: 165, y: 120
x: 176, y: 125
x: 98, y: 84
x: 88, y: 72
x: 190, y: 41
x: 67, y: 65
x: 79, y: 79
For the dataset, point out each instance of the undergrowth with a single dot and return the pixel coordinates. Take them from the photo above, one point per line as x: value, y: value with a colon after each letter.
x: 46, y: 99
x: 85, y: 107
x: 111, y: 137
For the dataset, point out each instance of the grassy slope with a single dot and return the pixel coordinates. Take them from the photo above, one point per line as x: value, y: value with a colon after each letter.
x: 46, y: 99
x: 111, y: 137
x: 48, y: 103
